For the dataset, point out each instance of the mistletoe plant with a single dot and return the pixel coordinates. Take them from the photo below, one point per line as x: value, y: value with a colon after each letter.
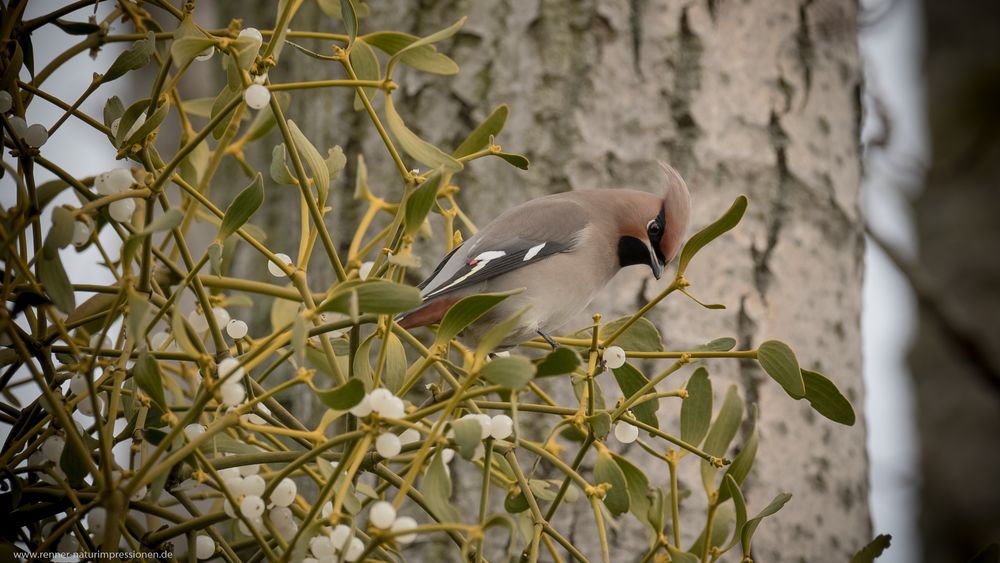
x: 160, y: 421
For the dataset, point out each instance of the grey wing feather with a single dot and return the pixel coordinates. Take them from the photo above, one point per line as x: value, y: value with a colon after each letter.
x: 520, y: 236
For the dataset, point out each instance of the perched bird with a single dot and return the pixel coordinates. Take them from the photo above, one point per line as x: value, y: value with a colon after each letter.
x: 562, y: 249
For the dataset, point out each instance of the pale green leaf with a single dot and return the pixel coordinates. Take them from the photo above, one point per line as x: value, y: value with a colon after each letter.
x: 780, y: 363
x: 243, y: 206
x: 480, y: 137
x: 696, y: 409
x: 729, y: 220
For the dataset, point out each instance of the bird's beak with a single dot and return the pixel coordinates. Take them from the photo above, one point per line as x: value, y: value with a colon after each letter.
x: 655, y: 263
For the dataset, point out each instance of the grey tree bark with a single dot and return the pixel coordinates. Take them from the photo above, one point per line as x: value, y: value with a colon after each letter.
x: 757, y: 97
x: 954, y: 359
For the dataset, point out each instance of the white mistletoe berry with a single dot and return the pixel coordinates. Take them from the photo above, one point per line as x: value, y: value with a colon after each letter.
x: 501, y: 427
x: 382, y: 515
x: 232, y: 393
x: 252, y: 506
x: 204, y: 547
x: 388, y: 445
x: 121, y: 210
x: 284, y: 493
x: 236, y: 329
x: 614, y: 357
x: 626, y: 433
x: 257, y: 96
x: 403, y: 524
x: 276, y: 270
x: 36, y: 135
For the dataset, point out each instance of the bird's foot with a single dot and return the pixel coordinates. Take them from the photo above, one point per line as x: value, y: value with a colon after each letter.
x: 548, y: 339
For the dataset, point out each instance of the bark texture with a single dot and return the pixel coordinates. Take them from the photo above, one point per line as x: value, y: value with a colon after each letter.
x: 757, y: 97
x: 956, y: 367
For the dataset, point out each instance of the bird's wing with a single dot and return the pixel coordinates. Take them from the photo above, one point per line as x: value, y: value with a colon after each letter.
x: 521, y: 236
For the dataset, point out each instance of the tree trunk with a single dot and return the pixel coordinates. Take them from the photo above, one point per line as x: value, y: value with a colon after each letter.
x: 954, y: 359
x: 757, y: 97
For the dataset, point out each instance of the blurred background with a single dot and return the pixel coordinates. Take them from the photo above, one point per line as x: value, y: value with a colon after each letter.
x: 931, y: 166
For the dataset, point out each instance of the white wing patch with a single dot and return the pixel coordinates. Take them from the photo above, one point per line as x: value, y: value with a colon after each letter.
x: 533, y: 251
x: 490, y: 255
x: 479, y: 262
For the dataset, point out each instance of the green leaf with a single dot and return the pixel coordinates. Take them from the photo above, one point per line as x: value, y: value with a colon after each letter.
x: 374, y: 296
x: 128, y: 119
x: 436, y: 488
x: 222, y: 100
x: 513, y: 372
x: 515, y: 502
x: 723, y: 344
x: 185, y: 49
x: 138, y: 316
x: 638, y: 487
x: 642, y: 336
x: 396, y: 363
x: 113, y: 109
x: 146, y: 373
x: 700, y: 239
x: 678, y: 556
x: 335, y: 162
x: 419, y: 203
x: 361, y: 180
x: 740, y: 467
x: 321, y: 176
x: 516, y: 160
x: 135, y: 57
x: 560, y: 361
x: 696, y: 409
x: 56, y: 283
x: 496, y: 335
x: 279, y: 167
x: 73, y: 466
x: 362, y: 363
x: 283, y: 312
x: 826, y: 399
x: 600, y: 424
x: 779, y: 362
x: 727, y: 422
x: 746, y: 535
x: 425, y: 57
x: 148, y: 126
x: 432, y: 38
x: 61, y: 233
x: 480, y: 137
x: 343, y: 397
x: 739, y: 504
x: 299, y: 334
x: 721, y: 526
x: 48, y: 191
x: 350, y: 17
x: 467, y: 436
x: 243, y: 206
x: 466, y: 312
x: 77, y: 28
x: 607, y: 471
x: 366, y: 67
x: 169, y: 220
x: 874, y: 549
x: 419, y: 149
x: 630, y: 381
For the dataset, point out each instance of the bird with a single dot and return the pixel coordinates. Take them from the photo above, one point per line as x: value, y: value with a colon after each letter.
x: 561, y: 250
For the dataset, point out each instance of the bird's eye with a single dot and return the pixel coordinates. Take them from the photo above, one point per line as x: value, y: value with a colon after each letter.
x: 654, y: 228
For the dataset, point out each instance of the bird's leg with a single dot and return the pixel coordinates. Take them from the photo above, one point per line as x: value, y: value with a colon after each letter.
x: 548, y: 339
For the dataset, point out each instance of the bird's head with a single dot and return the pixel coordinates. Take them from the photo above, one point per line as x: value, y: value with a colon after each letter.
x: 655, y: 228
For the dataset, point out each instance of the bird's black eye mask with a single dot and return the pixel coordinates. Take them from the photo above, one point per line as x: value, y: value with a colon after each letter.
x: 632, y: 251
